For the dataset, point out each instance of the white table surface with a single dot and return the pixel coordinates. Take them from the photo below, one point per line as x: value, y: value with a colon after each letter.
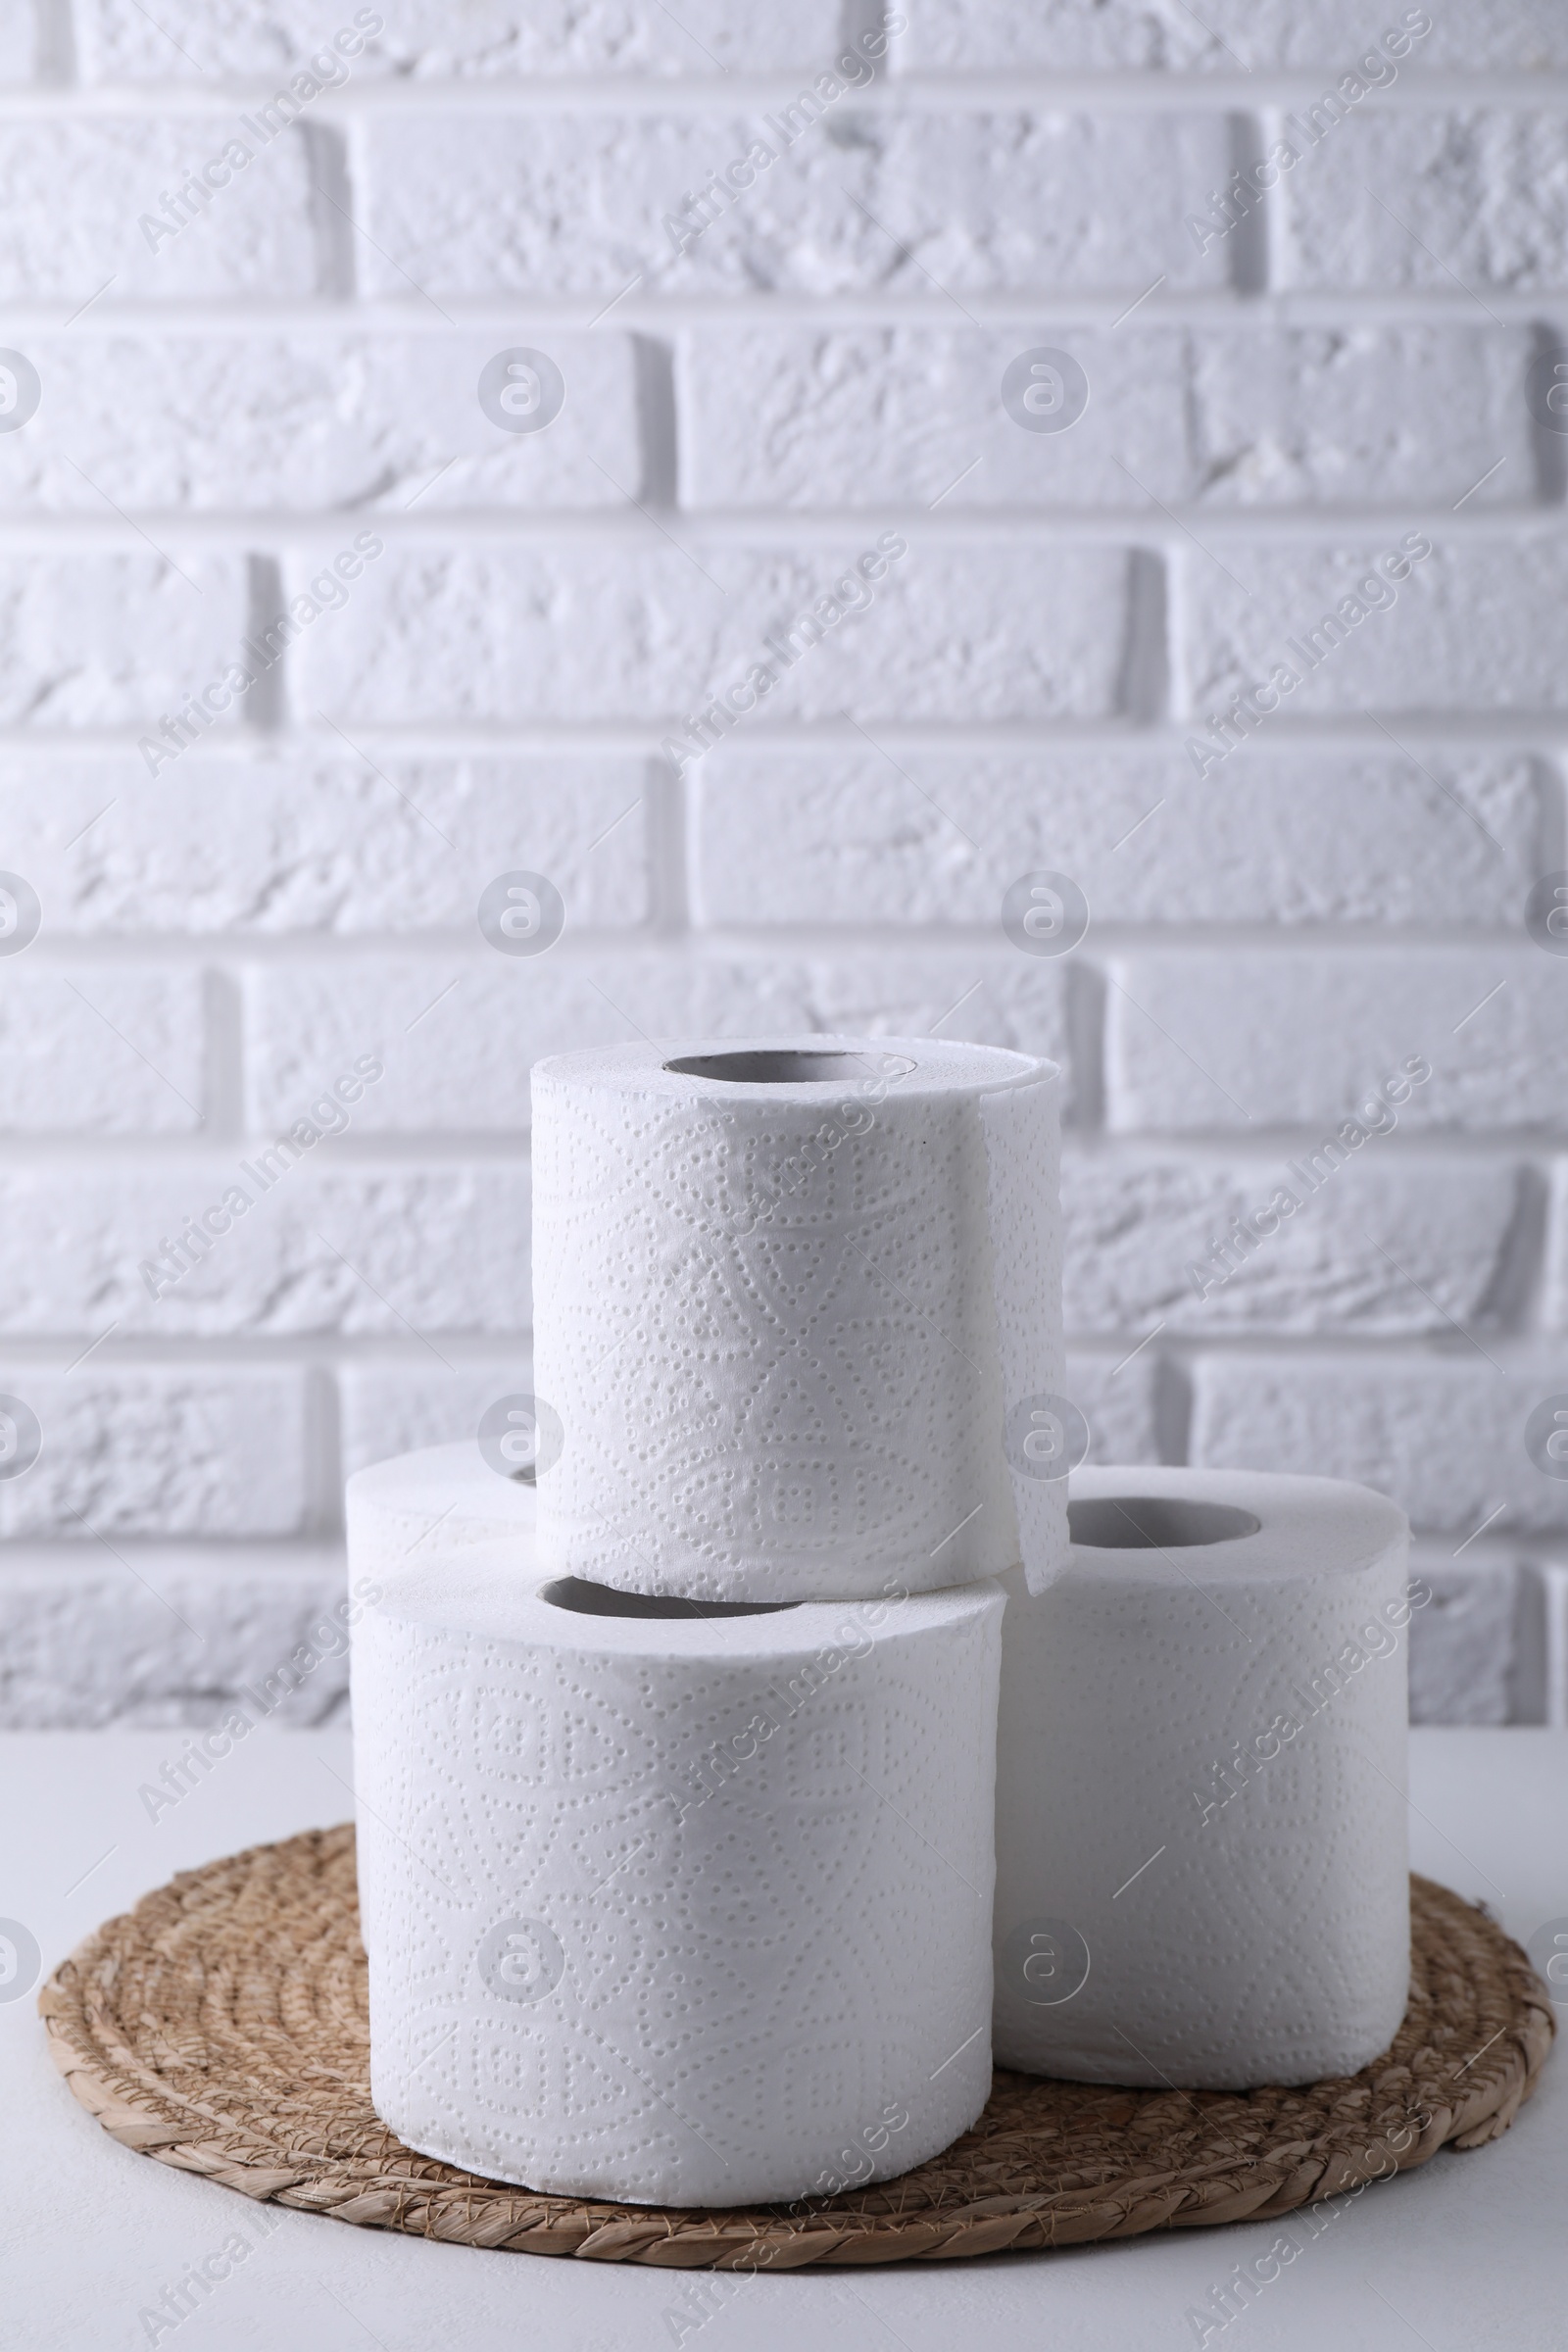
x: 1470, y: 2251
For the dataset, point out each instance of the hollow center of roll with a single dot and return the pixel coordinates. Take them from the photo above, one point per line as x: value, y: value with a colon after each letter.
x: 1155, y: 1522
x: 602, y: 1601
x: 789, y: 1066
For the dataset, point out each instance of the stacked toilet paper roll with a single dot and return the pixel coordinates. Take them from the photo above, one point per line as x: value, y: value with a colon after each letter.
x: 420, y: 1507
x: 797, y: 1316
x: 683, y: 1788
x: 1201, y: 1865
x: 673, y: 1904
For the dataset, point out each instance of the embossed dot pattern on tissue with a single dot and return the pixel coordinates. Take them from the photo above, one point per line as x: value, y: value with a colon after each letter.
x: 778, y: 1323
x: 763, y: 1846
x: 1242, y: 1885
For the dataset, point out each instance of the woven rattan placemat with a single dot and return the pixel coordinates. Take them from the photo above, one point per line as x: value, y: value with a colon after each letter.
x: 221, y: 2028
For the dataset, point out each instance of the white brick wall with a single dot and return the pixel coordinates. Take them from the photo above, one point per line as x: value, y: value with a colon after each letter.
x: 228, y: 401
x: 306, y: 422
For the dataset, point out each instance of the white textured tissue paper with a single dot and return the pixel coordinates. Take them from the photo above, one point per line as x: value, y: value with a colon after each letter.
x: 418, y: 1506
x: 1201, y: 1856
x: 676, y: 1908
x: 798, y: 1316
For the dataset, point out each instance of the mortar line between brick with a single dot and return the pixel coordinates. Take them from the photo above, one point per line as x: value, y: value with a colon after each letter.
x: 1479, y: 729
x: 330, y: 208
x: 223, y: 1057
x: 54, y: 46
x: 1124, y: 940
x: 1476, y: 732
x: 765, y: 530
x: 1551, y: 849
x: 1278, y: 244
x: 945, y: 92
x: 256, y: 315
x: 322, y: 1479
x: 1249, y: 240
x: 671, y: 853
x: 659, y: 419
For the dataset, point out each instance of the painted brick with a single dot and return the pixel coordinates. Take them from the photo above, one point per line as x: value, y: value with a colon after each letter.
x: 463, y: 1065
x: 835, y: 417
x: 989, y: 998
x: 828, y: 417
x: 167, y: 1637
x: 1420, y: 199
x: 1142, y: 1236
x: 427, y: 41
x: 104, y: 1051
x: 585, y: 202
x: 589, y: 633
x: 1458, y: 633
x: 1321, y: 837
x: 352, y: 1249
x: 113, y: 640
x: 1061, y: 37
x: 1118, y: 1400
x: 1049, y: 199
x: 306, y: 422
x: 198, y: 1450
x: 838, y: 889
x: 74, y: 196
x: 1443, y: 1436
x: 394, y: 1408
x: 1212, y: 1040
x: 1362, y: 413
x: 1465, y: 1665
x: 321, y: 843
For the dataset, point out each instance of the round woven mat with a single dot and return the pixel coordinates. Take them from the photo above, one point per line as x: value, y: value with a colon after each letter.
x: 220, y: 2027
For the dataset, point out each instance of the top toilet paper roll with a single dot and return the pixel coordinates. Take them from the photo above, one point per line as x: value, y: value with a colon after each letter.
x: 420, y: 1507
x: 1202, y: 1843
x: 797, y: 1316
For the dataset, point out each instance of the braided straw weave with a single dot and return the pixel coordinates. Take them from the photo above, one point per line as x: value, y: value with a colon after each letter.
x: 220, y: 2027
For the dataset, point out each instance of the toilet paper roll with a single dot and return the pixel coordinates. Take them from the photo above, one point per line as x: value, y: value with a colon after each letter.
x: 670, y: 1905
x: 1201, y: 1864
x: 418, y: 1506
x: 797, y: 1316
